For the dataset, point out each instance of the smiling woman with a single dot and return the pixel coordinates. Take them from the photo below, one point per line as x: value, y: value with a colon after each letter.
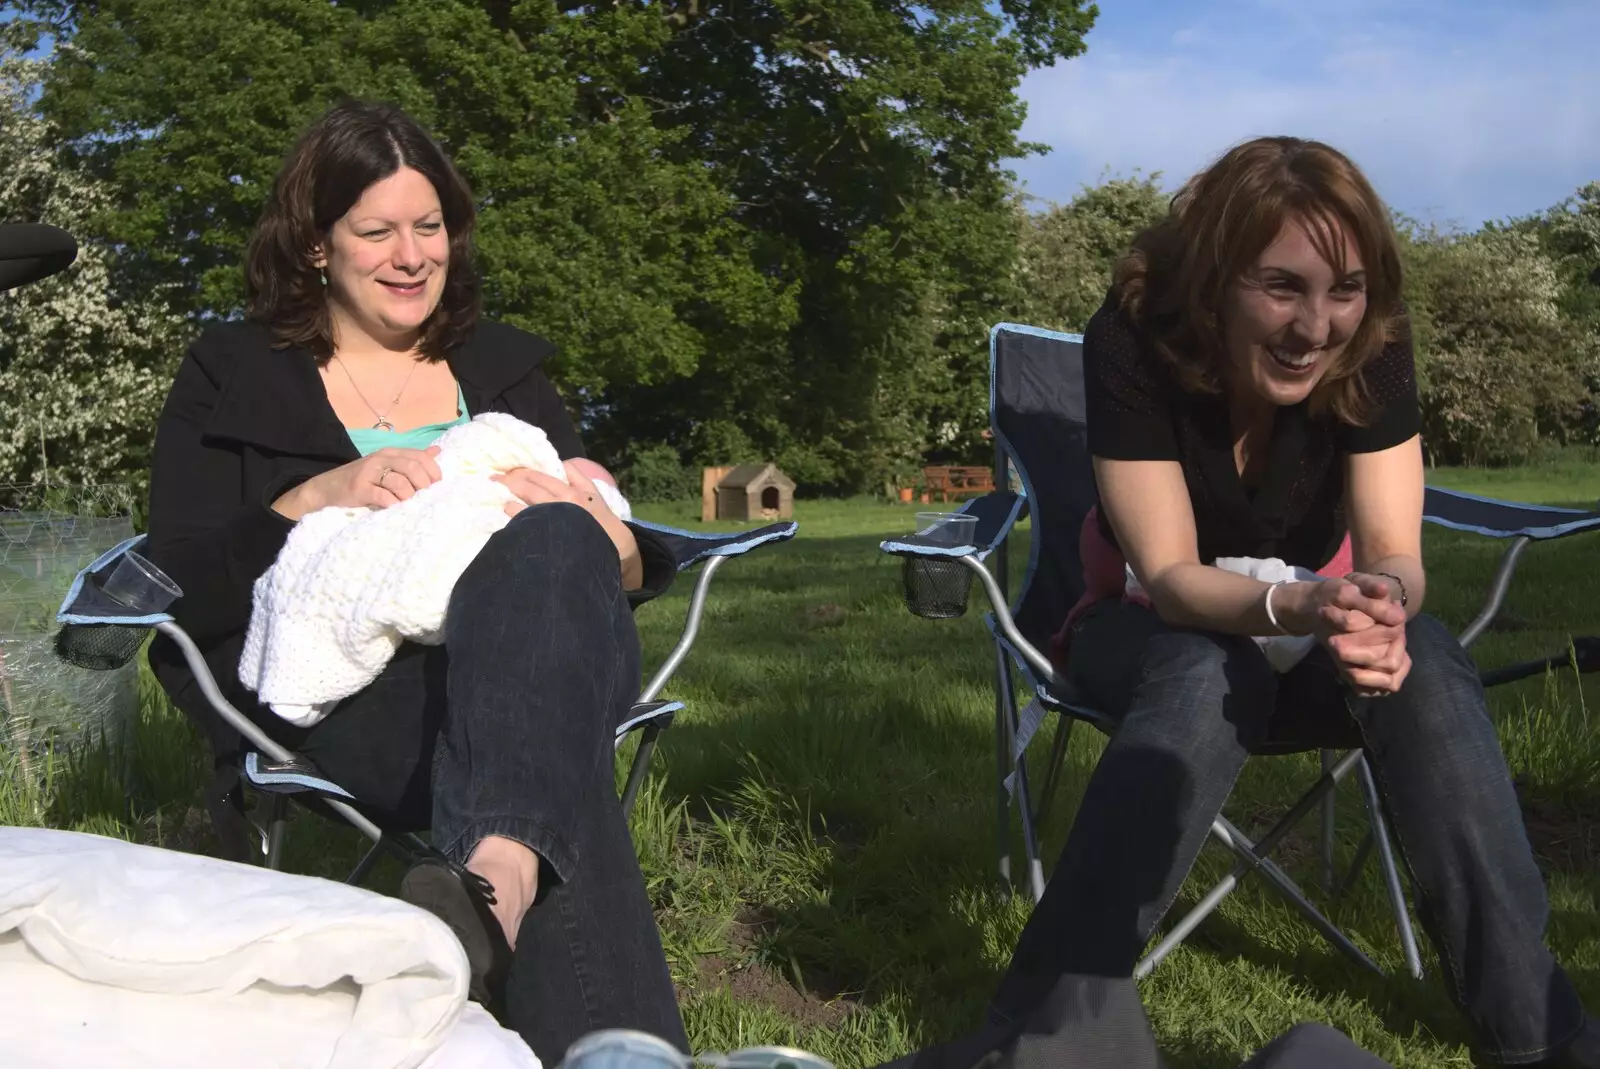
x: 1251, y: 401
x: 364, y: 344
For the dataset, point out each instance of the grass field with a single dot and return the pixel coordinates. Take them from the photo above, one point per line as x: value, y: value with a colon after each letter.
x: 818, y: 834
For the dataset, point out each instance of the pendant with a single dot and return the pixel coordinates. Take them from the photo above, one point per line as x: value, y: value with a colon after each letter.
x: 383, y: 425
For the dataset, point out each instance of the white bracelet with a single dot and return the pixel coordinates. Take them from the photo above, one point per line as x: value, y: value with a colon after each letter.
x: 1267, y: 603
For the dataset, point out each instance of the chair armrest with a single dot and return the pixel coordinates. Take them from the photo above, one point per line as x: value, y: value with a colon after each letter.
x: 691, y: 547
x: 1493, y: 518
x: 87, y: 604
x: 996, y: 513
x: 1518, y: 521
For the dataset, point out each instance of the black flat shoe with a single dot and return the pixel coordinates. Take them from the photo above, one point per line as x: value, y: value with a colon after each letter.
x: 462, y: 901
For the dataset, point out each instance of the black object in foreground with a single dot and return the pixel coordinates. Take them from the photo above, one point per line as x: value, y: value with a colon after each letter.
x: 33, y: 251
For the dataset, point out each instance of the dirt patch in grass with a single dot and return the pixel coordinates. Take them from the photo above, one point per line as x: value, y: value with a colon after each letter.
x: 1563, y: 828
x: 807, y: 998
x: 825, y: 615
x: 754, y: 981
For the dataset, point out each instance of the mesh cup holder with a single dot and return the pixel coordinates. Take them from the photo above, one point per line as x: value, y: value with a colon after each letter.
x: 100, y: 647
x: 935, y: 589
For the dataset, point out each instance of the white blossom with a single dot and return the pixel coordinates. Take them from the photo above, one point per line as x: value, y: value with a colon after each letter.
x: 82, y: 375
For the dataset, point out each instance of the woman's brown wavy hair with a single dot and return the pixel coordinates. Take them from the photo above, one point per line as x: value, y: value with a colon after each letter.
x: 1174, y: 281
x: 353, y: 145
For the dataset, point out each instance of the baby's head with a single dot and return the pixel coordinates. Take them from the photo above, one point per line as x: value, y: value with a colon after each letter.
x: 592, y: 471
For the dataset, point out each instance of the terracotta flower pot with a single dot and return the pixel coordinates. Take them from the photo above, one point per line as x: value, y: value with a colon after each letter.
x: 905, y: 494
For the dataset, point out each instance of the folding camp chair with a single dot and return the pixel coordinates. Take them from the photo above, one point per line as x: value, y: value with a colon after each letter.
x: 1037, y: 416
x: 99, y: 632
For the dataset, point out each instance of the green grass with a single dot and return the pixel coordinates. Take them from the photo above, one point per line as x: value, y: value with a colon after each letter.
x: 818, y: 835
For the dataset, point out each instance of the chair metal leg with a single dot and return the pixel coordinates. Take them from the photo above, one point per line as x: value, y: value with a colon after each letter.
x: 1030, y: 834
x: 1391, y: 877
x: 1058, y: 754
x: 1280, y: 880
x: 277, y: 825
x: 641, y: 764
x: 363, y: 867
x: 1328, y: 819
x: 1253, y: 858
x: 1002, y: 752
x: 1357, y: 864
x: 1497, y: 591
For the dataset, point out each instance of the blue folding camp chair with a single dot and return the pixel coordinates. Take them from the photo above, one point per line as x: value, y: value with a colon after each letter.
x: 1037, y: 415
x: 100, y: 632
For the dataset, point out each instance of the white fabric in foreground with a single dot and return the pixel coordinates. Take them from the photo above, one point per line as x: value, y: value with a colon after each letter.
x: 1283, y: 651
x: 125, y: 955
x: 351, y: 584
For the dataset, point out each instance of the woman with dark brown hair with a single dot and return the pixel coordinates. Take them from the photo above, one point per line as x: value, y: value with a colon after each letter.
x: 363, y: 344
x: 1252, y: 402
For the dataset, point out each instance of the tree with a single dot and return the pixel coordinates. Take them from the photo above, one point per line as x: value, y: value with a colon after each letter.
x: 589, y: 233
x: 1571, y: 233
x: 1069, y: 250
x: 864, y: 142
x: 82, y: 376
x: 1500, y: 368
x: 776, y: 226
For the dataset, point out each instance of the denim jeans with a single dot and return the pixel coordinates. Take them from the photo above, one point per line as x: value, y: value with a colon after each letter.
x: 1191, y: 707
x: 507, y: 730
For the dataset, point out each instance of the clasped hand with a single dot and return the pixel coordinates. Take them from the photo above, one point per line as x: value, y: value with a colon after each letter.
x: 1364, y: 631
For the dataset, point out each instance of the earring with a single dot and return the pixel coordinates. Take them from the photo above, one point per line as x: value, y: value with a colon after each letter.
x: 324, y: 273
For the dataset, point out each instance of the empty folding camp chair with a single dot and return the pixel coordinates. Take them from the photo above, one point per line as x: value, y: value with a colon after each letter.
x: 1037, y: 416
x: 100, y: 632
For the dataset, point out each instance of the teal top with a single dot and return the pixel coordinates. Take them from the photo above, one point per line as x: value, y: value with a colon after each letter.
x: 368, y: 440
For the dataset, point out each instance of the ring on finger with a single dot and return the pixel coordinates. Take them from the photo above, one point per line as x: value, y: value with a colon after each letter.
x: 382, y: 474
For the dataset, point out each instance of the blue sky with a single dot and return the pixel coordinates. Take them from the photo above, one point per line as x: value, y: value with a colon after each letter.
x: 1458, y: 110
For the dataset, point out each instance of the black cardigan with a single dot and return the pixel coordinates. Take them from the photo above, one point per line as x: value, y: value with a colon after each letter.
x: 243, y: 424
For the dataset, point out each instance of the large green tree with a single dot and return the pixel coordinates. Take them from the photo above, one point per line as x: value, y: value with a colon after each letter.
x: 755, y: 227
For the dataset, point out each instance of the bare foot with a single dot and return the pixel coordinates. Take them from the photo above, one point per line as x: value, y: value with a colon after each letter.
x: 513, y: 870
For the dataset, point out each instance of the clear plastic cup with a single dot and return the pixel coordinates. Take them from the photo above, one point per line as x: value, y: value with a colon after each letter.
x: 947, y: 528
x: 139, y: 585
x: 936, y: 588
x: 769, y: 1058
x: 623, y: 1048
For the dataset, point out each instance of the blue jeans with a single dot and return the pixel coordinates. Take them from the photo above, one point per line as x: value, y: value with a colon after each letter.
x: 507, y: 730
x: 1192, y: 706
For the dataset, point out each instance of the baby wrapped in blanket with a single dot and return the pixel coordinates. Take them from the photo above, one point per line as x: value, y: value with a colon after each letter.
x: 351, y: 584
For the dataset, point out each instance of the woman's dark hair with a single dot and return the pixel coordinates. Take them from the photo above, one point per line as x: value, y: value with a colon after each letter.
x: 352, y: 146
x: 1174, y: 281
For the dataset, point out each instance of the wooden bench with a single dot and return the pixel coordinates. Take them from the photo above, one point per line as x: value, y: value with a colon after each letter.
x: 953, y: 481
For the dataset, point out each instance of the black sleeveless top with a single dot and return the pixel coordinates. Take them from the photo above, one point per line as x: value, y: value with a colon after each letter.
x: 1137, y: 411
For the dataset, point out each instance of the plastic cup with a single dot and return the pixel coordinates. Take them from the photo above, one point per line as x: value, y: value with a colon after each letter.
x: 947, y: 528
x: 937, y: 588
x: 623, y: 1048
x: 137, y: 584
x: 771, y: 1058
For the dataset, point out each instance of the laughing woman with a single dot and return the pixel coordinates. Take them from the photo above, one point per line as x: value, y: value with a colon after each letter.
x: 1251, y: 394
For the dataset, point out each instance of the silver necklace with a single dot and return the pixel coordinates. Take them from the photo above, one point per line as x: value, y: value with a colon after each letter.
x: 383, y: 423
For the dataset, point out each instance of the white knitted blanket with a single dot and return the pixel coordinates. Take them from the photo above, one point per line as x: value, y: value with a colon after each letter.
x: 351, y: 584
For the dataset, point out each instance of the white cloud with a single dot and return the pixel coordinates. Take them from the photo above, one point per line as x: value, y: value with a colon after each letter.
x: 1455, y: 114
